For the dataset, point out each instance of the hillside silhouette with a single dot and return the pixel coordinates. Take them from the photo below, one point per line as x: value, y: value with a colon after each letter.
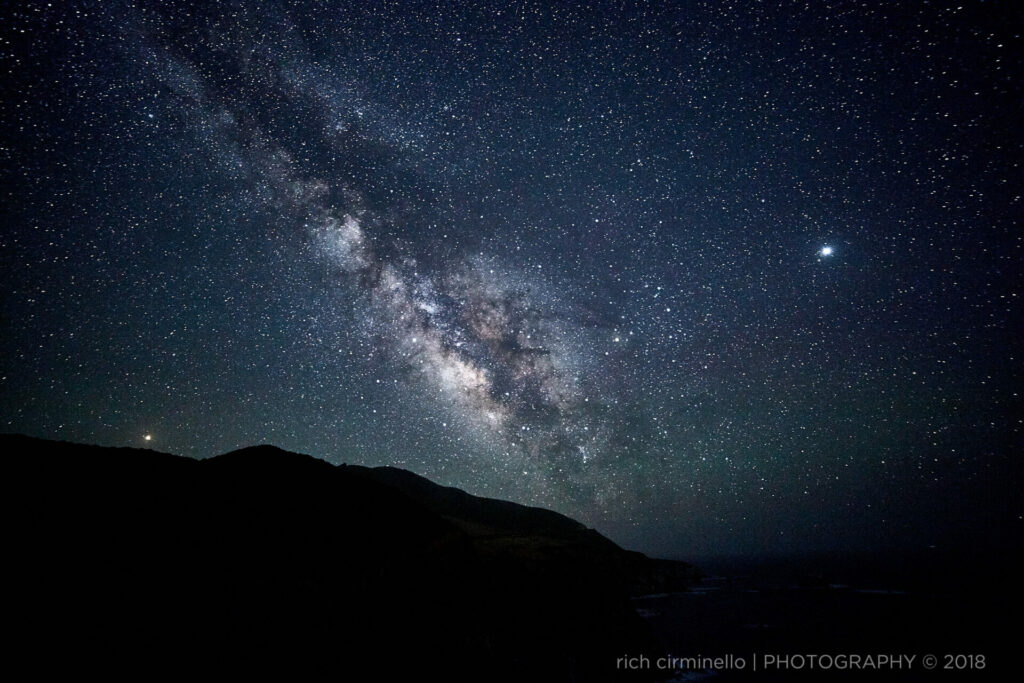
x: 129, y: 561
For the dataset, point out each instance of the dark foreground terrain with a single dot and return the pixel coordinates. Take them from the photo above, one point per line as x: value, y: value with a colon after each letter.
x: 132, y: 563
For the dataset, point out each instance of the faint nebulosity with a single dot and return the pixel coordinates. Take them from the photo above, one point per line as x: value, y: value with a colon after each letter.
x: 709, y: 277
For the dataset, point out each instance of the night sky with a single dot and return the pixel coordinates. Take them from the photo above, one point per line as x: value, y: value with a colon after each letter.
x: 718, y: 277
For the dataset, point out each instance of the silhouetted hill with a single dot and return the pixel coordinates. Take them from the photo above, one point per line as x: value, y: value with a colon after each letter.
x: 127, y: 562
x: 531, y: 535
x: 496, y: 515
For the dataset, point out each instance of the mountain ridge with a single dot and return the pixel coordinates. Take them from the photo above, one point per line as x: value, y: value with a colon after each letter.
x: 266, y: 557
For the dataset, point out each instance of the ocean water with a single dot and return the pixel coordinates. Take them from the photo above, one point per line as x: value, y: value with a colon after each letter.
x: 845, y: 618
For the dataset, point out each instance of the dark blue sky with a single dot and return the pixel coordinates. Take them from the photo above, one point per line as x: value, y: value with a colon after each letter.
x: 712, y: 278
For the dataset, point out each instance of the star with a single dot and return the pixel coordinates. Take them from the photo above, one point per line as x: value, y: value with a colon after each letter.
x: 826, y: 251
x: 147, y: 437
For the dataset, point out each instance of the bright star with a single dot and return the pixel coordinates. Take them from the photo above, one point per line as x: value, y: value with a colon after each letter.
x: 826, y: 251
x: 148, y: 437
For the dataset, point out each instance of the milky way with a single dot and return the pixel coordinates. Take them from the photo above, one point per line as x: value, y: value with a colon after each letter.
x: 473, y: 335
x: 709, y: 278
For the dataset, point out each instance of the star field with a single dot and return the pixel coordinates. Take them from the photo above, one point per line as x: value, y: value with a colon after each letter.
x: 709, y: 277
